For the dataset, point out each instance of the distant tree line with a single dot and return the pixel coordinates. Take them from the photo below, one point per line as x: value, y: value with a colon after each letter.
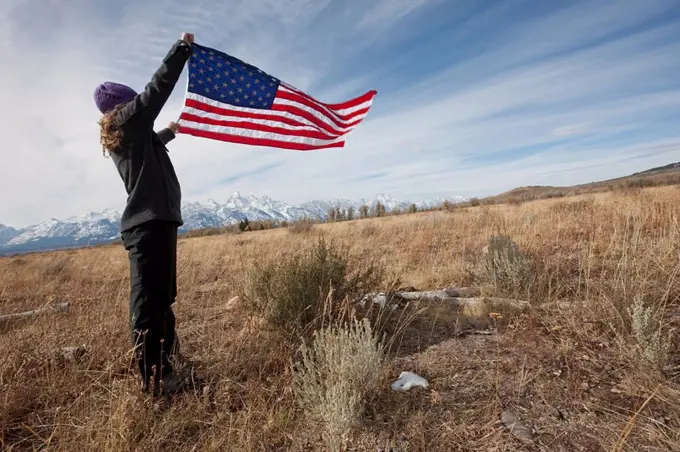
x: 377, y: 210
x: 333, y: 215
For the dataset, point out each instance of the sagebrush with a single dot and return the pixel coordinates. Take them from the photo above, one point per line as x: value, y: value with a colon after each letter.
x: 506, y: 268
x: 297, y: 290
x: 334, y: 375
x: 652, y: 342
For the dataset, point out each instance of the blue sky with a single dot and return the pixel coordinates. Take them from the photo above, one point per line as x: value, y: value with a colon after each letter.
x: 474, y: 97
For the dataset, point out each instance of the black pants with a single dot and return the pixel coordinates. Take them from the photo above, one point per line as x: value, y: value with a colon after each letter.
x: 152, y: 250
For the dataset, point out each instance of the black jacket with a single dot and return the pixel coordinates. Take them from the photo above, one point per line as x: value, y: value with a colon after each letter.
x: 142, y: 159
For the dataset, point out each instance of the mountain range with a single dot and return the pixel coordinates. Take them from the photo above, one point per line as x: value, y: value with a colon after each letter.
x: 95, y: 228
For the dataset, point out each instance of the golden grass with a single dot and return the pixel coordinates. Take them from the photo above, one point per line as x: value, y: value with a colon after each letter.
x: 571, y: 368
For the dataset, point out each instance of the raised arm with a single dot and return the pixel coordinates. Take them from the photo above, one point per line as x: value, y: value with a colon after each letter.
x: 168, y: 134
x: 158, y: 90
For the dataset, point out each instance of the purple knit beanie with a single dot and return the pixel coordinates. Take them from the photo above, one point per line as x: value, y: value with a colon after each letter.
x: 108, y: 95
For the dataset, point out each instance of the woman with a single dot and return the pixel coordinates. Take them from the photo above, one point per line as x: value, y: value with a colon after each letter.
x: 152, y: 215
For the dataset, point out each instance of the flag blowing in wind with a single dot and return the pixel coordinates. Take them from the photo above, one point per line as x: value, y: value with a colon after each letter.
x: 229, y: 100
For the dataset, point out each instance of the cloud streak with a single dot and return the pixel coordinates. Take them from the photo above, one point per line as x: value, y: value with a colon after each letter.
x: 472, y: 98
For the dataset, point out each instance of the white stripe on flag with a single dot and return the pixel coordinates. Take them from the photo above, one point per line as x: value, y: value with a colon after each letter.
x: 258, y: 134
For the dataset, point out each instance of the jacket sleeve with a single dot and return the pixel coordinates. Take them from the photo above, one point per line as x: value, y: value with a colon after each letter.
x: 158, y: 90
x: 166, y: 135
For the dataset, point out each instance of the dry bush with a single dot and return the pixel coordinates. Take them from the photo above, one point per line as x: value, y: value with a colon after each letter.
x: 334, y: 376
x: 447, y: 206
x: 516, y: 201
x: 583, y: 206
x: 301, y: 227
x: 56, y: 267
x: 506, y: 268
x: 292, y: 292
x: 369, y: 230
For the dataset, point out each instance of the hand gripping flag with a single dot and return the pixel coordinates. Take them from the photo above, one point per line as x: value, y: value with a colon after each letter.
x: 229, y: 100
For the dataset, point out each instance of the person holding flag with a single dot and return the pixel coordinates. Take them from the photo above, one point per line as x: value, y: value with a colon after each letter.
x: 152, y: 215
x: 226, y: 100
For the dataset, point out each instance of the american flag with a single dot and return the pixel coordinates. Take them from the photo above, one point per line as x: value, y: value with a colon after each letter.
x: 229, y: 100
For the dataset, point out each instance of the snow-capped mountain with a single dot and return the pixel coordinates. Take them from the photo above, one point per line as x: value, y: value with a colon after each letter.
x: 90, y: 228
x: 95, y: 228
x: 389, y: 202
x: 319, y: 209
x: 7, y: 233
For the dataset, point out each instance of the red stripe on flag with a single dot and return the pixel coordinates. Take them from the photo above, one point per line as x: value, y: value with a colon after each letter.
x: 341, y: 106
x: 313, y: 118
x: 354, y: 102
x: 338, y: 119
x: 260, y: 127
x: 257, y: 141
x: 227, y: 112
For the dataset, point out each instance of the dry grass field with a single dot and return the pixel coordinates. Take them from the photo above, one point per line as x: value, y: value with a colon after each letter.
x: 594, y: 365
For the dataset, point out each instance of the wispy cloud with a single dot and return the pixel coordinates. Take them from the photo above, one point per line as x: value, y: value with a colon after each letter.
x: 260, y: 170
x: 474, y: 98
x: 385, y: 13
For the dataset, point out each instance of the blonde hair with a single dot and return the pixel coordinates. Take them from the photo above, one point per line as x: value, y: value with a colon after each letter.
x: 110, y: 135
